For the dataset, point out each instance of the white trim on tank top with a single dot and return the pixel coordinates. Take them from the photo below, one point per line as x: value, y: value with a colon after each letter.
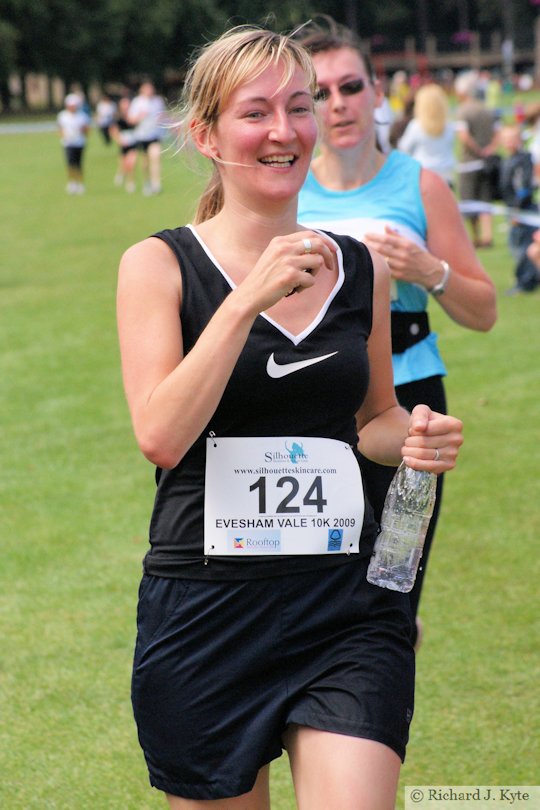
x: 295, y: 339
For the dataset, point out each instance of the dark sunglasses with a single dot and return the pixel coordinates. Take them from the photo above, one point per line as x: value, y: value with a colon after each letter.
x: 346, y: 89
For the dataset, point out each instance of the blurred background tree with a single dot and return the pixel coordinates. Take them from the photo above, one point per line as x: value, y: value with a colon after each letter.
x: 123, y: 40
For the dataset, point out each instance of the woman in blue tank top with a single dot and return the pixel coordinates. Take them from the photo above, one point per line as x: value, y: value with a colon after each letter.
x: 404, y: 212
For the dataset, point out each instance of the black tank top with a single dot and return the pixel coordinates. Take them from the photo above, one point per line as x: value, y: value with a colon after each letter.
x: 318, y: 400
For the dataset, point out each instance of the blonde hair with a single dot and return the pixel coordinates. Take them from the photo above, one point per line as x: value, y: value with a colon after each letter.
x: 431, y: 109
x: 511, y: 137
x: 238, y: 56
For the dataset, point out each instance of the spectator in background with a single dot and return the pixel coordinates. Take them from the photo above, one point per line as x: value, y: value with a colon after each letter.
x: 517, y: 188
x: 419, y: 78
x: 105, y: 116
x: 146, y: 115
x: 123, y: 134
x: 73, y: 124
x: 399, y: 125
x: 84, y: 103
x: 494, y: 95
x: 430, y: 135
x: 476, y: 131
x: 384, y: 120
x: 400, y: 93
x: 532, y: 121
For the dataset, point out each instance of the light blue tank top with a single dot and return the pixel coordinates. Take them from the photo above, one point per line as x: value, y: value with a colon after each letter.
x: 392, y: 198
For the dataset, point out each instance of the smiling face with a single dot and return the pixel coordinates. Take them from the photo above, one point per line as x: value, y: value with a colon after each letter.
x: 347, y: 113
x: 263, y: 139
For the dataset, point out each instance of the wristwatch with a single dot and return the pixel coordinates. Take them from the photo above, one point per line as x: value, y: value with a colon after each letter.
x: 439, y: 288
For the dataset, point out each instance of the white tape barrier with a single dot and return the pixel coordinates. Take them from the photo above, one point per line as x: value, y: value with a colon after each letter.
x: 470, y: 166
x: 471, y: 207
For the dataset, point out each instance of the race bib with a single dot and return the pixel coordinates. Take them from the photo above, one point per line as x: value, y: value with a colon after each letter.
x: 281, y: 495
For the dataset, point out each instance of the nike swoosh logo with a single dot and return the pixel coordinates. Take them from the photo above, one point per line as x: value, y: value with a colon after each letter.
x: 276, y: 370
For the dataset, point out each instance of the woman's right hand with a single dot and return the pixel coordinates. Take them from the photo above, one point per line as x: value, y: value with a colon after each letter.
x: 288, y: 265
x: 171, y: 396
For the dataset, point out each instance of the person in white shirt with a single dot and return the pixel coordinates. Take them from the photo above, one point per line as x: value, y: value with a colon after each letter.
x: 477, y: 131
x: 74, y: 125
x: 146, y: 115
x: 106, y: 111
x: 430, y: 135
x: 123, y: 133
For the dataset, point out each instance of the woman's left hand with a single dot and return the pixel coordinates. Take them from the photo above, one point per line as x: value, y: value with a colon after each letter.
x: 406, y: 260
x: 433, y: 440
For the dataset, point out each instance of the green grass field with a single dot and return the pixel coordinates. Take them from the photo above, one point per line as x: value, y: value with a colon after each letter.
x: 76, y: 497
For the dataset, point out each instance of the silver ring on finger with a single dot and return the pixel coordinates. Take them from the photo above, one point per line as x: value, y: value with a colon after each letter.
x: 437, y: 454
x: 307, y: 245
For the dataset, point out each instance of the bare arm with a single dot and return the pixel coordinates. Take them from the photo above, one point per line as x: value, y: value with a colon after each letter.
x: 114, y: 132
x: 382, y: 423
x: 464, y: 136
x: 469, y: 298
x: 387, y: 432
x: 171, y: 396
x: 407, y: 142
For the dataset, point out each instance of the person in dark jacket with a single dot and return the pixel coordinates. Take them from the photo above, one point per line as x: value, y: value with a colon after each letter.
x: 516, y: 191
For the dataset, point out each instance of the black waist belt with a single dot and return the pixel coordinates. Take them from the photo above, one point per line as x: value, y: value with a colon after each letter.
x: 408, y: 328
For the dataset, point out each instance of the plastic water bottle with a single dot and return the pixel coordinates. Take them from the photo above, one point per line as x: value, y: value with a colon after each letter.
x: 407, y: 510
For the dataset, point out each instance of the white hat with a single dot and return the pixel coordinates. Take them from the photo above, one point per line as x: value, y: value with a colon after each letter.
x: 72, y: 100
x: 466, y: 83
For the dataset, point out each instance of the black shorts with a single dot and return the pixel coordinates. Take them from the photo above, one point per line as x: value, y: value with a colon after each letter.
x: 74, y: 155
x: 222, y: 668
x: 143, y: 145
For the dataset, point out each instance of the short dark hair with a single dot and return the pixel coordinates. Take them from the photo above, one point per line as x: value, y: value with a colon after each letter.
x: 323, y: 33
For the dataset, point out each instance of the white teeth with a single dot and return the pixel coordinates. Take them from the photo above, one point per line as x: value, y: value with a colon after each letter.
x: 278, y: 159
